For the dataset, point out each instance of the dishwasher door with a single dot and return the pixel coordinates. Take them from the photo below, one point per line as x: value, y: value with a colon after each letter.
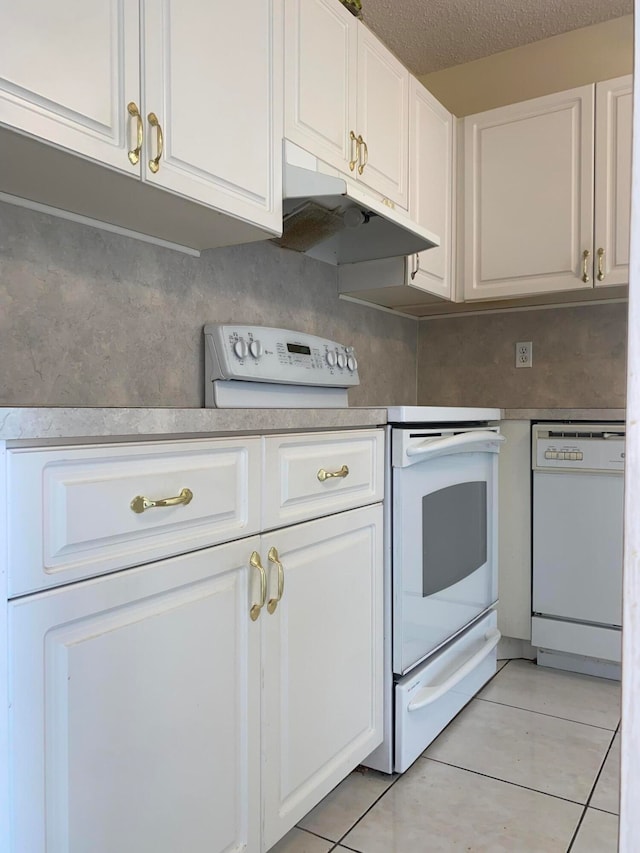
x: 577, y: 545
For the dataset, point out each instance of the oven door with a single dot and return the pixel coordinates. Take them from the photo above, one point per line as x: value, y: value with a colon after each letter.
x: 444, y: 529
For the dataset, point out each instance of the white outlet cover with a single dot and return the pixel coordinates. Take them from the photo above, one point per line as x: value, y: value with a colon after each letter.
x: 524, y: 354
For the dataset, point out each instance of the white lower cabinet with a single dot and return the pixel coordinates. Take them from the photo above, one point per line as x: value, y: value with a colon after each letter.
x: 134, y: 710
x: 322, y: 661
x: 203, y: 702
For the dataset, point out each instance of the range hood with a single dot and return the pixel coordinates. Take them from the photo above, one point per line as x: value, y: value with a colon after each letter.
x: 334, y: 219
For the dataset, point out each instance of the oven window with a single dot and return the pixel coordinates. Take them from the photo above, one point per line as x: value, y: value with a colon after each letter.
x: 454, y: 534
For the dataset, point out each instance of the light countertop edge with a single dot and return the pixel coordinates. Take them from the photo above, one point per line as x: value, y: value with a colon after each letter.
x: 568, y: 414
x: 58, y: 424
x: 41, y: 424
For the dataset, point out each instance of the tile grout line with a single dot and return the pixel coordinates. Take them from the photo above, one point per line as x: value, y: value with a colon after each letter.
x: 366, y: 811
x: 591, y: 792
x: 505, y: 781
x: 544, y: 714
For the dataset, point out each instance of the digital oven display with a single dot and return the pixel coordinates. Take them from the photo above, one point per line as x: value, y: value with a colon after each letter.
x: 298, y: 348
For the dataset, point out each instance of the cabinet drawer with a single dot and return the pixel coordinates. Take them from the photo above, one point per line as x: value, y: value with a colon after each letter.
x: 300, y: 479
x: 71, y: 513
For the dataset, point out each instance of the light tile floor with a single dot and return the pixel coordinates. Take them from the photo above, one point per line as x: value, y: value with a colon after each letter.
x: 529, y: 766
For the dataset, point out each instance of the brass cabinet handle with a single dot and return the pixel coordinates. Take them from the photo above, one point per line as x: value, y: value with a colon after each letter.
x: 417, y: 266
x: 327, y: 475
x: 275, y: 559
x: 354, y: 150
x: 140, y: 503
x: 585, y: 265
x: 134, y: 153
x: 254, y: 562
x: 362, y: 144
x: 154, y: 163
x: 601, y: 272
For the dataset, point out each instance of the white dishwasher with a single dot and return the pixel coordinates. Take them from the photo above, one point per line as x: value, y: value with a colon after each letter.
x: 578, y: 492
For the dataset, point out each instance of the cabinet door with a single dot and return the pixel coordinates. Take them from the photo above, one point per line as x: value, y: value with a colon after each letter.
x: 68, y: 71
x: 529, y: 196
x: 431, y: 188
x: 211, y: 80
x: 322, y: 661
x: 134, y: 710
x: 320, y: 79
x: 383, y: 118
x: 614, y: 104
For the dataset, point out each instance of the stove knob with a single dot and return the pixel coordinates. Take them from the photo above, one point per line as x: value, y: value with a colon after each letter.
x: 255, y: 348
x: 331, y: 358
x: 342, y: 360
x: 240, y: 348
x: 352, y: 364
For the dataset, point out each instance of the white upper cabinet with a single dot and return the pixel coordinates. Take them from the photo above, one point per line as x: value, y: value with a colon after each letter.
x: 382, y: 119
x: 614, y: 105
x: 431, y: 189
x: 528, y: 188
x: 532, y: 225
x: 346, y: 96
x: 182, y: 95
x: 208, y: 70
x: 68, y: 71
x: 321, y: 52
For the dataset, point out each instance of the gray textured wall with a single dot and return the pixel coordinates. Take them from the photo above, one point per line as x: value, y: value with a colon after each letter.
x: 89, y: 318
x: 579, y: 359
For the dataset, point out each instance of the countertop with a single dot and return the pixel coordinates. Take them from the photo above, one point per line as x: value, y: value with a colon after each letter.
x: 564, y: 414
x: 60, y: 424
x: 57, y: 424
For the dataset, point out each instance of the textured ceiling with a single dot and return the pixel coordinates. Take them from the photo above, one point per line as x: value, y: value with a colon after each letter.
x: 428, y: 35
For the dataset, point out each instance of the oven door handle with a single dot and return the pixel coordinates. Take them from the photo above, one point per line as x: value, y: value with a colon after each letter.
x: 464, y: 442
x: 431, y: 694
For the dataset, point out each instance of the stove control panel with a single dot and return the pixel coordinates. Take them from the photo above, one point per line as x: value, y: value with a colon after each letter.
x: 265, y: 354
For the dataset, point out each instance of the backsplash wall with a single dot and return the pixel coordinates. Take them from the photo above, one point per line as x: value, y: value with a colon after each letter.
x: 89, y: 318
x: 579, y: 359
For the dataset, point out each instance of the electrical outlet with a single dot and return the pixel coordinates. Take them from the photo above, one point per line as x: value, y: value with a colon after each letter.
x: 524, y: 354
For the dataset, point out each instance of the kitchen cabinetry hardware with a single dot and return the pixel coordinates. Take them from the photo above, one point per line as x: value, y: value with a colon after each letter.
x: 274, y: 558
x: 154, y: 163
x: 601, y: 273
x: 362, y: 145
x: 585, y: 266
x: 254, y: 562
x: 327, y: 475
x: 355, y: 150
x: 416, y: 266
x: 140, y: 503
x: 134, y: 153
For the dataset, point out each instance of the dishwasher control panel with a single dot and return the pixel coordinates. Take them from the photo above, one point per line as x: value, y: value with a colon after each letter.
x: 585, y: 447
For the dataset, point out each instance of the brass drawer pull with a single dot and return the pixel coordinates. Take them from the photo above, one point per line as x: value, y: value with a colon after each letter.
x: 154, y: 163
x: 354, y: 150
x: 601, y: 272
x: 362, y: 144
x: 134, y: 153
x: 274, y: 558
x: 585, y: 266
x: 327, y: 475
x: 140, y: 503
x: 254, y: 562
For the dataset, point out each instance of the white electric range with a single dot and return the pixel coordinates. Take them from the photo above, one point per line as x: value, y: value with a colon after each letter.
x: 441, y: 506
